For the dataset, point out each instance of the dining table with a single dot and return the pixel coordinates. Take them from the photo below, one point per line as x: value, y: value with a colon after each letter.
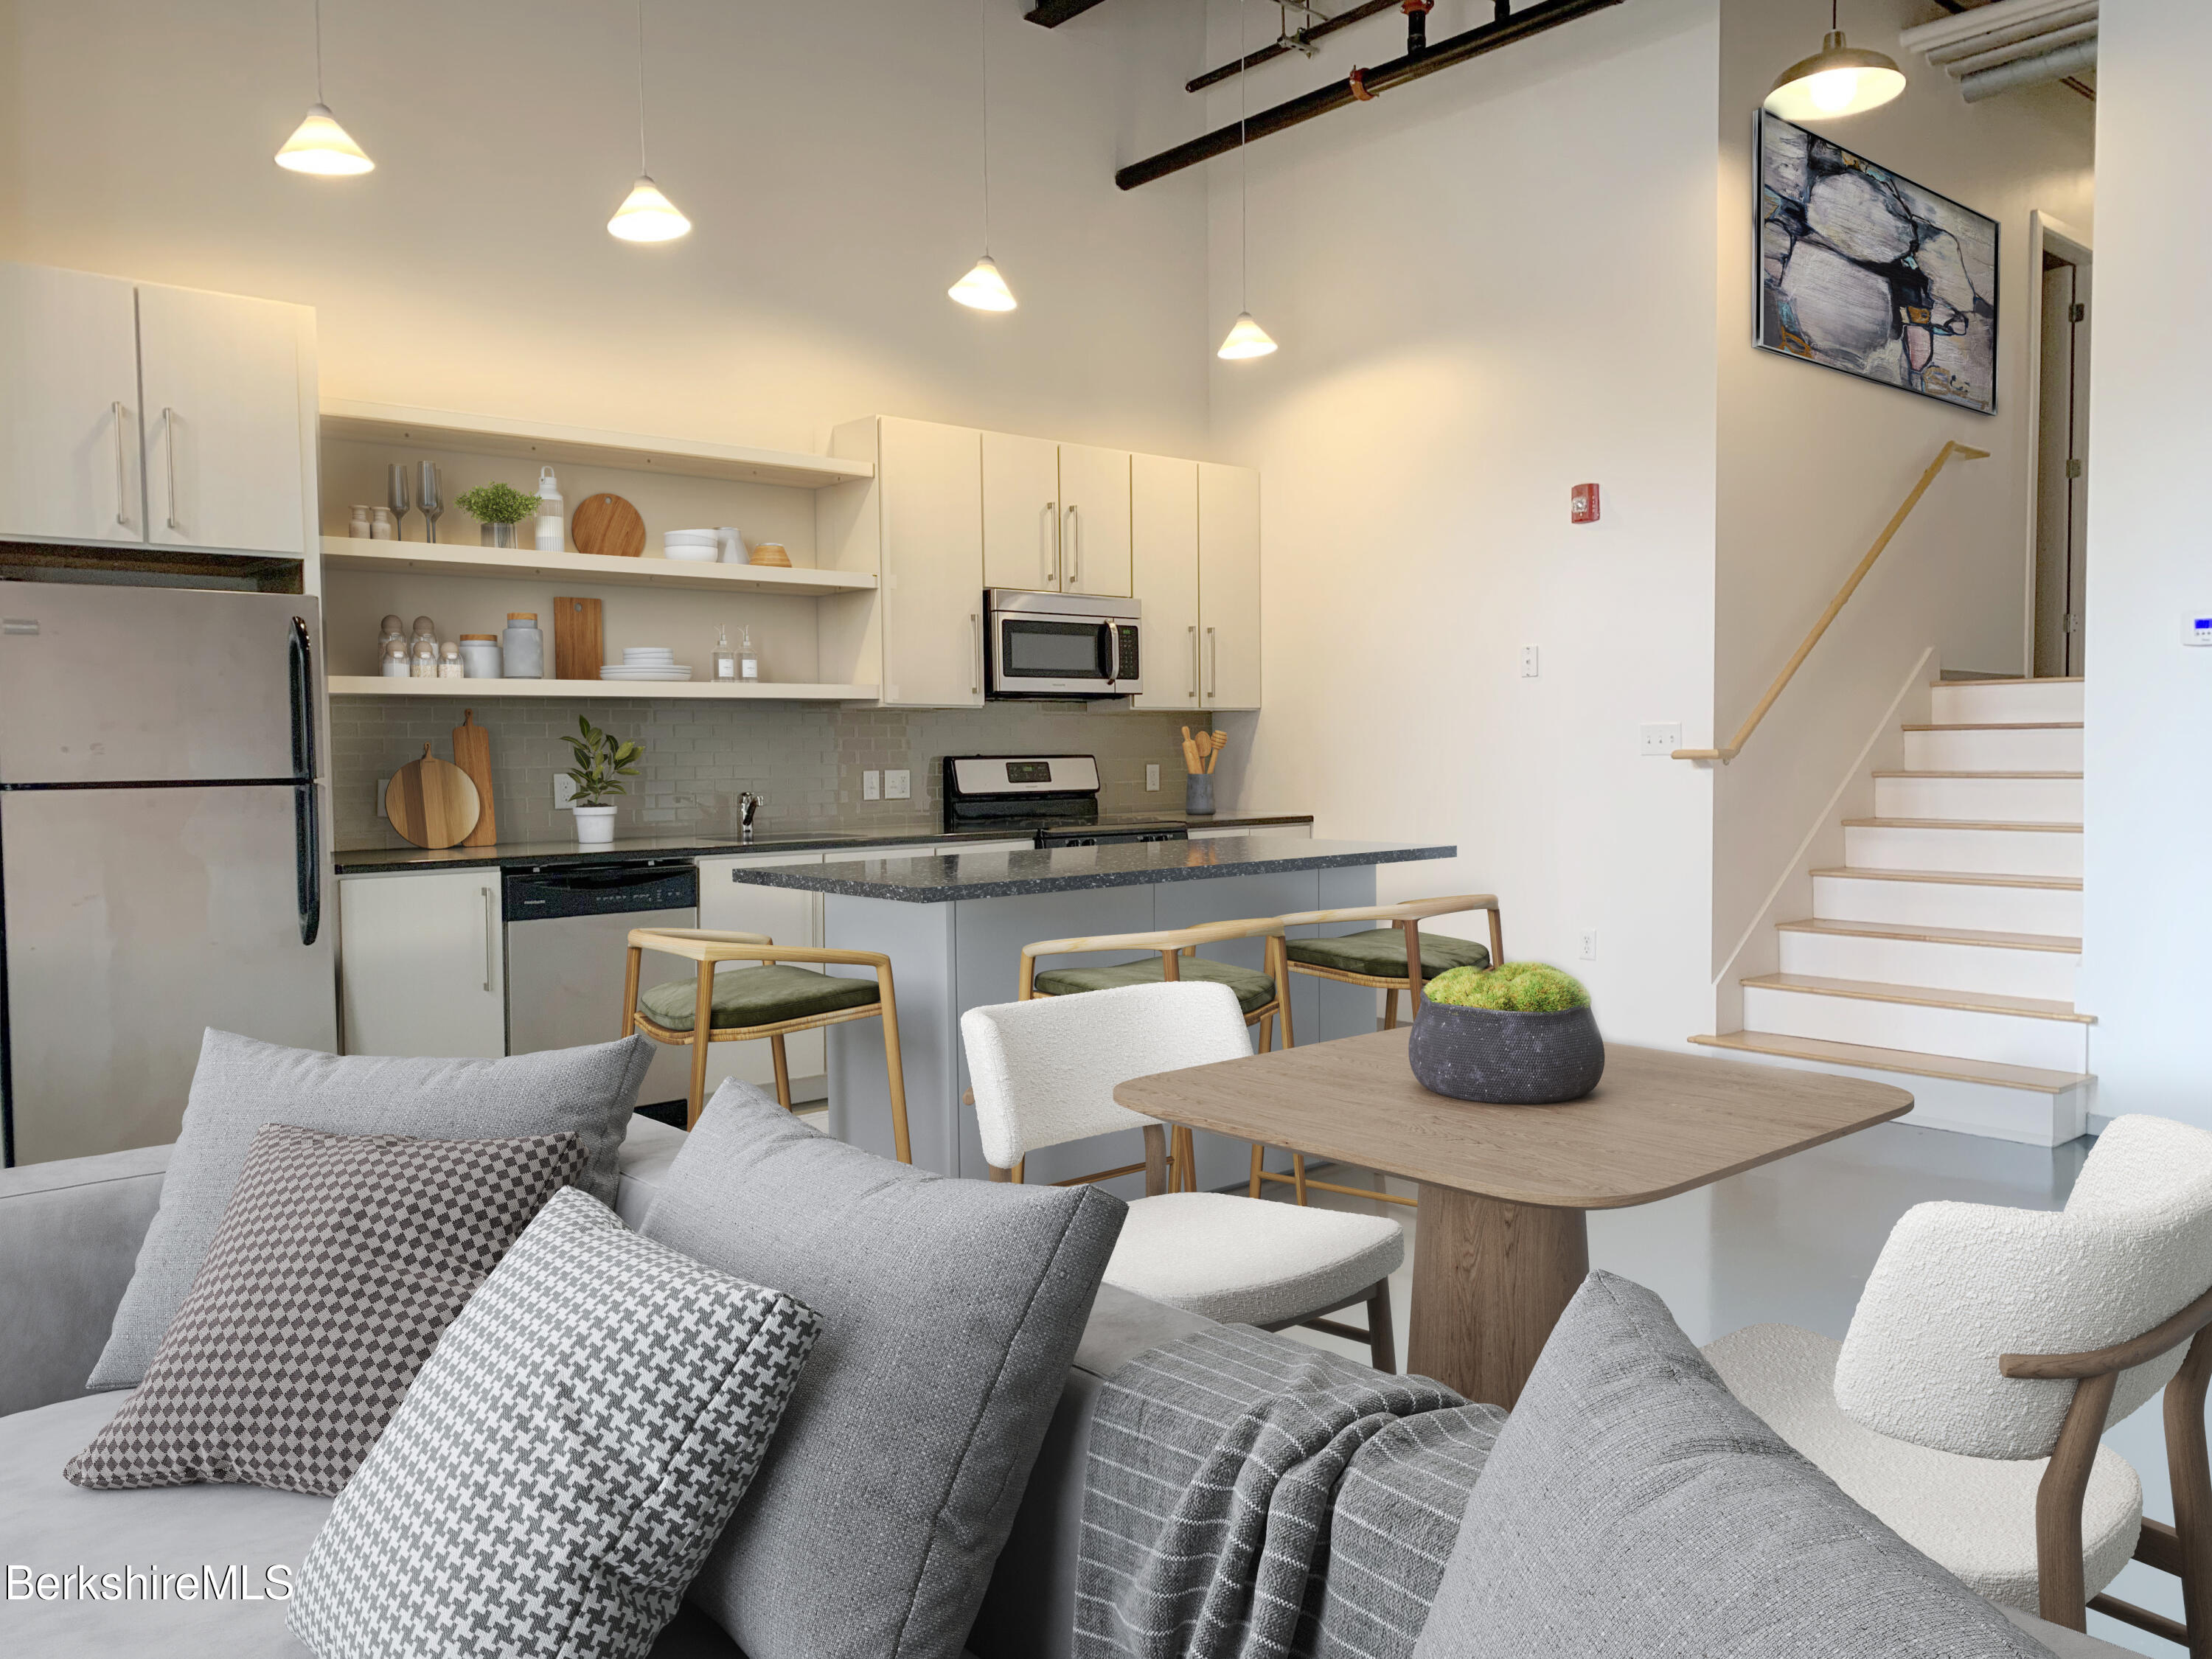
x: 1501, y: 1230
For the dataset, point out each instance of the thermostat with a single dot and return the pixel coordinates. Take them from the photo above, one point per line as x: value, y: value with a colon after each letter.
x: 2197, y: 630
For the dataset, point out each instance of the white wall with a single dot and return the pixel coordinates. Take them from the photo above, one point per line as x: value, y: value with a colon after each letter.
x: 1489, y: 286
x: 2147, y: 961
x: 827, y: 155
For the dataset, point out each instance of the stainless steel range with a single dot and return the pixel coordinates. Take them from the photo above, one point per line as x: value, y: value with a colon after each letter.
x: 1054, y: 798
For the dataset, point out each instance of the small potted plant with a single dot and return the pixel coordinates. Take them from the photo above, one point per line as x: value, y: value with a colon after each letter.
x: 1520, y: 1034
x: 602, y: 759
x: 498, y: 509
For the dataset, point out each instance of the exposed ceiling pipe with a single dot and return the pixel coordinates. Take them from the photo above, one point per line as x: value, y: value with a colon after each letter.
x: 1360, y: 86
x: 1983, y: 20
x: 2030, y: 71
x: 1303, y: 38
x: 2085, y: 11
x: 2032, y: 46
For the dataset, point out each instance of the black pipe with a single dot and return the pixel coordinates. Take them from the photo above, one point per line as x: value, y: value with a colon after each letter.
x: 1303, y: 37
x: 1417, y: 25
x: 1051, y: 14
x: 1471, y: 43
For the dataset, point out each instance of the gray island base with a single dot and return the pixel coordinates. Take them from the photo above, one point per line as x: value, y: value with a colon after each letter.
x: 954, y: 928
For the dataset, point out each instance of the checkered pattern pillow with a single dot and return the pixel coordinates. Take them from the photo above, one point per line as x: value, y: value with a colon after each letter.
x: 562, y: 1465
x: 339, y: 1262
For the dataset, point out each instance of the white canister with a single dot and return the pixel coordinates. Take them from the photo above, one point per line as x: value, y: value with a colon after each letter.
x: 480, y: 656
x: 522, y: 648
x: 380, y: 523
x: 552, y: 522
x: 360, y: 524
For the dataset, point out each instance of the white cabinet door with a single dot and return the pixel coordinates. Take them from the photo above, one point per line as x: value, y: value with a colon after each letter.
x: 931, y: 479
x: 421, y: 969
x: 1094, y: 516
x: 788, y: 917
x: 1163, y: 568
x: 69, y: 407
x: 224, y: 463
x: 1228, y: 584
x: 1021, y: 512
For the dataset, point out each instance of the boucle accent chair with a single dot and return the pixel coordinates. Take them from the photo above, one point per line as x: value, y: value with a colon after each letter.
x: 1044, y: 1074
x: 1988, y: 1352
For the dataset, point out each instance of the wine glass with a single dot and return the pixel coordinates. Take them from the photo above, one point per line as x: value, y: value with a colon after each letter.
x: 400, y: 502
x: 432, y: 503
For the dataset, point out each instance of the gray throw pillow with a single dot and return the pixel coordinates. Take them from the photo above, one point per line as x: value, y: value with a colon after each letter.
x: 1632, y: 1507
x: 338, y: 1265
x: 950, y: 1310
x: 556, y: 1474
x: 241, y: 1084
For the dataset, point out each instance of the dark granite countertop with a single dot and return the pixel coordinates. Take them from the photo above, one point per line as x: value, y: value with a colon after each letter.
x: 955, y: 876
x: 702, y: 843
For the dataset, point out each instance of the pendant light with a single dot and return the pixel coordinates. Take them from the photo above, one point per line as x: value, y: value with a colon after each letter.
x: 1837, y: 80
x: 646, y: 215
x: 319, y: 144
x: 1245, y: 339
x: 983, y: 288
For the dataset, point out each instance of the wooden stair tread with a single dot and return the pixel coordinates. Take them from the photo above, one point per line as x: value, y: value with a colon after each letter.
x: 1998, y: 726
x: 2074, y: 777
x: 1958, y: 877
x: 1974, y: 1002
x: 1960, y: 824
x: 2034, y: 1078
x: 1978, y: 936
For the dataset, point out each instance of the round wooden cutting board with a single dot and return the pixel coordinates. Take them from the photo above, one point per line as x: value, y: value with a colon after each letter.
x: 432, y: 802
x: 608, y: 525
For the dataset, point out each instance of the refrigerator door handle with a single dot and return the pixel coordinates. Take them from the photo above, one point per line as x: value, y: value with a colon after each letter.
x: 307, y: 838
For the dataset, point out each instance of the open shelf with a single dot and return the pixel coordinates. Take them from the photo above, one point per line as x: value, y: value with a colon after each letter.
x: 485, y: 435
x: 588, y: 569
x: 376, y: 685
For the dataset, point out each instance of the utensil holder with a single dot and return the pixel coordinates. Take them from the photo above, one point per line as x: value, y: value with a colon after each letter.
x: 1198, y: 794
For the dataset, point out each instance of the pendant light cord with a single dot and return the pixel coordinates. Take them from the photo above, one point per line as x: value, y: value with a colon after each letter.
x: 642, y: 167
x: 983, y: 10
x: 1244, y: 169
x: 318, y: 53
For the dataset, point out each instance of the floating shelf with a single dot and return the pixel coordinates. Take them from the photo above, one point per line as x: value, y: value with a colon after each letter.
x: 586, y: 569
x: 376, y: 685
x: 485, y: 435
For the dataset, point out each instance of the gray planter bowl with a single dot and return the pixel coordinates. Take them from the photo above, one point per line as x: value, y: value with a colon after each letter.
x: 1506, y: 1059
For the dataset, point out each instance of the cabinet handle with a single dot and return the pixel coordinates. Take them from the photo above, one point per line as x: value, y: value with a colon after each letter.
x: 169, y: 446
x: 122, y: 475
x: 1048, y: 551
x: 976, y: 652
x: 491, y: 924
x: 1213, y: 662
x: 1075, y: 551
x: 1193, y: 663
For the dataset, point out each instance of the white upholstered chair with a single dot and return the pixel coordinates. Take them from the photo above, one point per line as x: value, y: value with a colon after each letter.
x: 1988, y: 1352
x: 1044, y: 1072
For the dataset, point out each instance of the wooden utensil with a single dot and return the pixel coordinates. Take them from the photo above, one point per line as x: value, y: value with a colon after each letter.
x: 473, y: 754
x: 1204, y: 744
x: 577, y: 651
x: 1190, y: 751
x: 431, y: 802
x: 1220, y: 742
x: 609, y: 526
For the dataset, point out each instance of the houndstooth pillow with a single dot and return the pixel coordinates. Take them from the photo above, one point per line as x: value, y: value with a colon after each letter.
x: 563, y: 1464
x: 338, y: 1263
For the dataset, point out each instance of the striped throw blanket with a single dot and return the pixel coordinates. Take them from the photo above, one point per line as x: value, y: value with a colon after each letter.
x: 1248, y: 1497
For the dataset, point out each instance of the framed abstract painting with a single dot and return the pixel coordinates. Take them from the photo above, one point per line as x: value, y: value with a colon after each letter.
x: 1862, y: 271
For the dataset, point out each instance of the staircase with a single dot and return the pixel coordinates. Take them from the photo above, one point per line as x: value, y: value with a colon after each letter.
x: 1945, y: 946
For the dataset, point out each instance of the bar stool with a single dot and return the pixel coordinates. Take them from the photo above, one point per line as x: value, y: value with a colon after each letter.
x: 770, y: 1000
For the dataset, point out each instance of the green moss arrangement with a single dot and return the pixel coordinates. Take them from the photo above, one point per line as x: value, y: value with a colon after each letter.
x: 496, y: 503
x: 1519, y: 987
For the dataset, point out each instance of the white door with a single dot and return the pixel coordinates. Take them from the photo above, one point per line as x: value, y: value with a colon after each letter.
x: 789, y: 918
x: 420, y: 970
x: 224, y: 466
x: 1163, y: 570
x: 1228, y: 584
x: 931, y: 478
x: 1094, y: 519
x: 69, y: 407
x: 1021, y: 512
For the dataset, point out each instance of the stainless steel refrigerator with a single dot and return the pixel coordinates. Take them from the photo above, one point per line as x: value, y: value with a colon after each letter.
x: 161, y: 864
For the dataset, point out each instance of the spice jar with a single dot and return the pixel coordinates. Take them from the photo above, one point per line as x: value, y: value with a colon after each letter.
x: 480, y: 656
x: 392, y: 662
x: 522, y: 648
x: 359, y: 525
x: 380, y: 523
x: 422, y: 660
x: 449, y: 661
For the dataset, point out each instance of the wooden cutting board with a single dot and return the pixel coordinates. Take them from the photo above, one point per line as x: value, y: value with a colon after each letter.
x: 431, y: 802
x: 607, y: 524
x: 577, y: 649
x: 473, y: 754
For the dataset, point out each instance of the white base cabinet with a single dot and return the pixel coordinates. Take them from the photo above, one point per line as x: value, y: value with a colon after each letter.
x: 421, y: 964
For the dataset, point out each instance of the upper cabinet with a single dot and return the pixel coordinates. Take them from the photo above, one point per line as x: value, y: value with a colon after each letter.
x: 1228, y: 584
x: 1055, y: 516
x: 919, y: 520
x: 1094, y: 521
x: 69, y: 407
x: 1196, y: 545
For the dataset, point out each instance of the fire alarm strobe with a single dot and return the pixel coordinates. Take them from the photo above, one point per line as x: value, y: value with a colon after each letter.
x: 1581, y: 505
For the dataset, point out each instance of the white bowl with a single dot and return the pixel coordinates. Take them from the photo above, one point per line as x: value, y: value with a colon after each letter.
x: 691, y: 552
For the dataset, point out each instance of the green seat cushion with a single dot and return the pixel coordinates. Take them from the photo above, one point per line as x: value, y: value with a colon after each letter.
x: 766, y: 995
x: 1380, y: 953
x: 1254, y: 988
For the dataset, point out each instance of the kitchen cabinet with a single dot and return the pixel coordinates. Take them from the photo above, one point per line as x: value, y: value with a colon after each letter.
x: 1094, y: 521
x: 1229, y: 586
x: 421, y: 964
x: 1021, y: 512
x: 929, y: 502
x: 69, y: 453
x: 1164, y: 538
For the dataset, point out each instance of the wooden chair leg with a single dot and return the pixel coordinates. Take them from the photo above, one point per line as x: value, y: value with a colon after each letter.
x: 1298, y: 1176
x: 702, y: 1029
x: 1186, y: 1157
x: 2187, y: 1465
x: 1267, y: 1033
x: 782, y: 1071
x: 630, y: 975
x: 894, y: 1069
x: 1258, y: 1151
x: 1391, y: 1009
x: 1155, y: 1160
x: 1282, y: 1003
x: 1381, y: 1340
x: 2062, y: 1594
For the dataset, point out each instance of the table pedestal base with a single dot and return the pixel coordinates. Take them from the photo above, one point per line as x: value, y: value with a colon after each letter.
x: 1490, y: 1280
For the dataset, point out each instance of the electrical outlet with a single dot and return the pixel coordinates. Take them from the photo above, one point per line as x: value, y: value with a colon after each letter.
x: 872, y: 786
x: 1151, y: 775
x: 1589, y: 945
x: 1528, y: 662
x: 564, y: 791
x: 1661, y: 739
x: 382, y: 784
x: 899, y: 785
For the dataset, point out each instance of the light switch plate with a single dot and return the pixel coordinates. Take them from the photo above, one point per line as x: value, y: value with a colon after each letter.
x: 872, y: 786
x: 1528, y: 662
x: 898, y: 785
x: 1661, y: 740
x: 1151, y: 775
x: 564, y: 791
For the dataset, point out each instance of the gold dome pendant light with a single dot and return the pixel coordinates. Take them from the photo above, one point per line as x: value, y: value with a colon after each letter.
x: 319, y: 144
x: 983, y: 288
x: 1837, y: 80
x: 1245, y: 339
x: 647, y: 215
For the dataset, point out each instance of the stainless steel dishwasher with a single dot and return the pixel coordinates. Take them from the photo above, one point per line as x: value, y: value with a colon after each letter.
x: 568, y: 933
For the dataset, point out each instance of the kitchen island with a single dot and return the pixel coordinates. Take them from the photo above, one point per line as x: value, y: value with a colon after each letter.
x: 954, y: 926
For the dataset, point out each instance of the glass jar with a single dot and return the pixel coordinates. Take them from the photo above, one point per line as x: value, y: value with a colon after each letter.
x: 479, y: 656
x: 449, y: 661
x: 422, y: 660
x: 522, y: 648
x: 392, y: 663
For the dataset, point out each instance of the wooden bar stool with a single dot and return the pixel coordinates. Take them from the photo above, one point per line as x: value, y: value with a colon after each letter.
x: 770, y: 1000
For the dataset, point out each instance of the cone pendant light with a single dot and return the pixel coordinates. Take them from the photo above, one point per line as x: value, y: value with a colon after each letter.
x: 983, y: 288
x: 647, y: 215
x: 319, y: 144
x: 1245, y: 339
x: 1837, y: 80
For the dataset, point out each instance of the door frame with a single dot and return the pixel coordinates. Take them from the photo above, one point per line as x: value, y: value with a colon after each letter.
x: 2044, y: 231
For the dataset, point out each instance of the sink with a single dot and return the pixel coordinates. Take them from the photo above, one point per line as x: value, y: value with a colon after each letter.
x: 790, y: 839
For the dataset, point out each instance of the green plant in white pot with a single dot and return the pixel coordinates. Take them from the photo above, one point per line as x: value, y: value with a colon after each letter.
x: 603, y: 760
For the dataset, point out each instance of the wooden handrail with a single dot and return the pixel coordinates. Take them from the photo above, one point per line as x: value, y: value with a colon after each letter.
x: 1735, y: 746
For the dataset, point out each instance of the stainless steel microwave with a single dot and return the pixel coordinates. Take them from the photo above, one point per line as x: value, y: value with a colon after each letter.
x: 1061, y: 645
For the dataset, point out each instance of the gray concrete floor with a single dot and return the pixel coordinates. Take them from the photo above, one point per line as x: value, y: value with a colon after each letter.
x: 1792, y: 1242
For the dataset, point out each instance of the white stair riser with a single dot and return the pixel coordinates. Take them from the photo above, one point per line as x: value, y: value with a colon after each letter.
x: 2059, y: 1045
x: 1932, y: 964
x: 1989, y: 801
x: 2035, y: 749
x: 1948, y: 904
x: 1976, y: 852
x: 1987, y: 704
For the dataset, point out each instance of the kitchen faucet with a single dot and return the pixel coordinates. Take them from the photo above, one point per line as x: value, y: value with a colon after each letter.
x: 748, y: 803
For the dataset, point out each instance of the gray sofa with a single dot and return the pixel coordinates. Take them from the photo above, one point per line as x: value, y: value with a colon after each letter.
x: 68, y: 1236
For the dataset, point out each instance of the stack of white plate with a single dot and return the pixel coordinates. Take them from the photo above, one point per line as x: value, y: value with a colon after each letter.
x: 691, y: 546
x: 646, y: 662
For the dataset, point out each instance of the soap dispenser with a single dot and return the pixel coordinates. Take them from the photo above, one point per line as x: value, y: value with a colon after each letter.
x: 748, y: 659
x: 725, y: 660
x: 552, y: 526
